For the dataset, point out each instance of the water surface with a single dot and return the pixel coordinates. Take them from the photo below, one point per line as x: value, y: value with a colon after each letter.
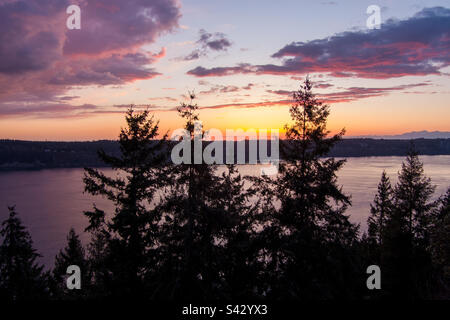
x: 50, y: 202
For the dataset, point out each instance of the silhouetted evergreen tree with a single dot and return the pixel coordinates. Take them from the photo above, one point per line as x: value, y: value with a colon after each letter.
x: 308, y: 239
x: 396, y: 258
x: 203, y: 220
x: 130, y: 232
x: 413, y: 197
x: 98, y: 256
x: 380, y: 210
x: 21, y: 277
x: 440, y: 246
x: 406, y: 259
x: 240, y: 266
x: 72, y: 254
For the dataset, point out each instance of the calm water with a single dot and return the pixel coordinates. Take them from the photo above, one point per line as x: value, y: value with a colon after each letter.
x: 50, y: 202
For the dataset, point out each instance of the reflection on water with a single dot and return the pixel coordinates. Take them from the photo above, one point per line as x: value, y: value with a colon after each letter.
x: 50, y: 202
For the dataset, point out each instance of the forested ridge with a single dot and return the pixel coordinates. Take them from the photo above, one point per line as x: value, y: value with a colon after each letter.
x: 19, y: 155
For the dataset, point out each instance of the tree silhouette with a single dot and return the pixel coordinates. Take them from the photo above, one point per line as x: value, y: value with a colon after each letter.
x: 203, y: 214
x: 239, y: 236
x: 413, y: 197
x: 405, y: 253
x: 308, y: 238
x: 130, y: 232
x: 21, y: 277
x: 380, y: 210
x: 72, y: 254
x: 396, y: 258
x: 440, y: 246
x: 98, y: 256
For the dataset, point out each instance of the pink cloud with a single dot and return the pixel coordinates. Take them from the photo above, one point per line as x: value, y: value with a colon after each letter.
x: 413, y: 47
x: 42, y: 59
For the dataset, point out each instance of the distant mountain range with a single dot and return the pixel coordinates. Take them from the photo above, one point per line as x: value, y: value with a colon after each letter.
x: 409, y: 135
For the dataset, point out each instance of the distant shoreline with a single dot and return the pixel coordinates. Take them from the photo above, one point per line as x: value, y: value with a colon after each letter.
x: 35, y: 155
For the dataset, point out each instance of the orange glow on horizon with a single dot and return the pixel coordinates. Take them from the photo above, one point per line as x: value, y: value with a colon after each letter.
x: 357, y: 118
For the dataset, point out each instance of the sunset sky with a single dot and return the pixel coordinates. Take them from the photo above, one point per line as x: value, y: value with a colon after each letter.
x: 242, y: 58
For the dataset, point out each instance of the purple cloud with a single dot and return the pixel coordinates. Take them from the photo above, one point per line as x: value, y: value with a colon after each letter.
x: 217, y: 89
x: 48, y: 110
x: 115, y: 69
x: 416, y: 46
x: 354, y: 93
x: 40, y: 58
x: 110, y: 25
x: 208, y: 41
